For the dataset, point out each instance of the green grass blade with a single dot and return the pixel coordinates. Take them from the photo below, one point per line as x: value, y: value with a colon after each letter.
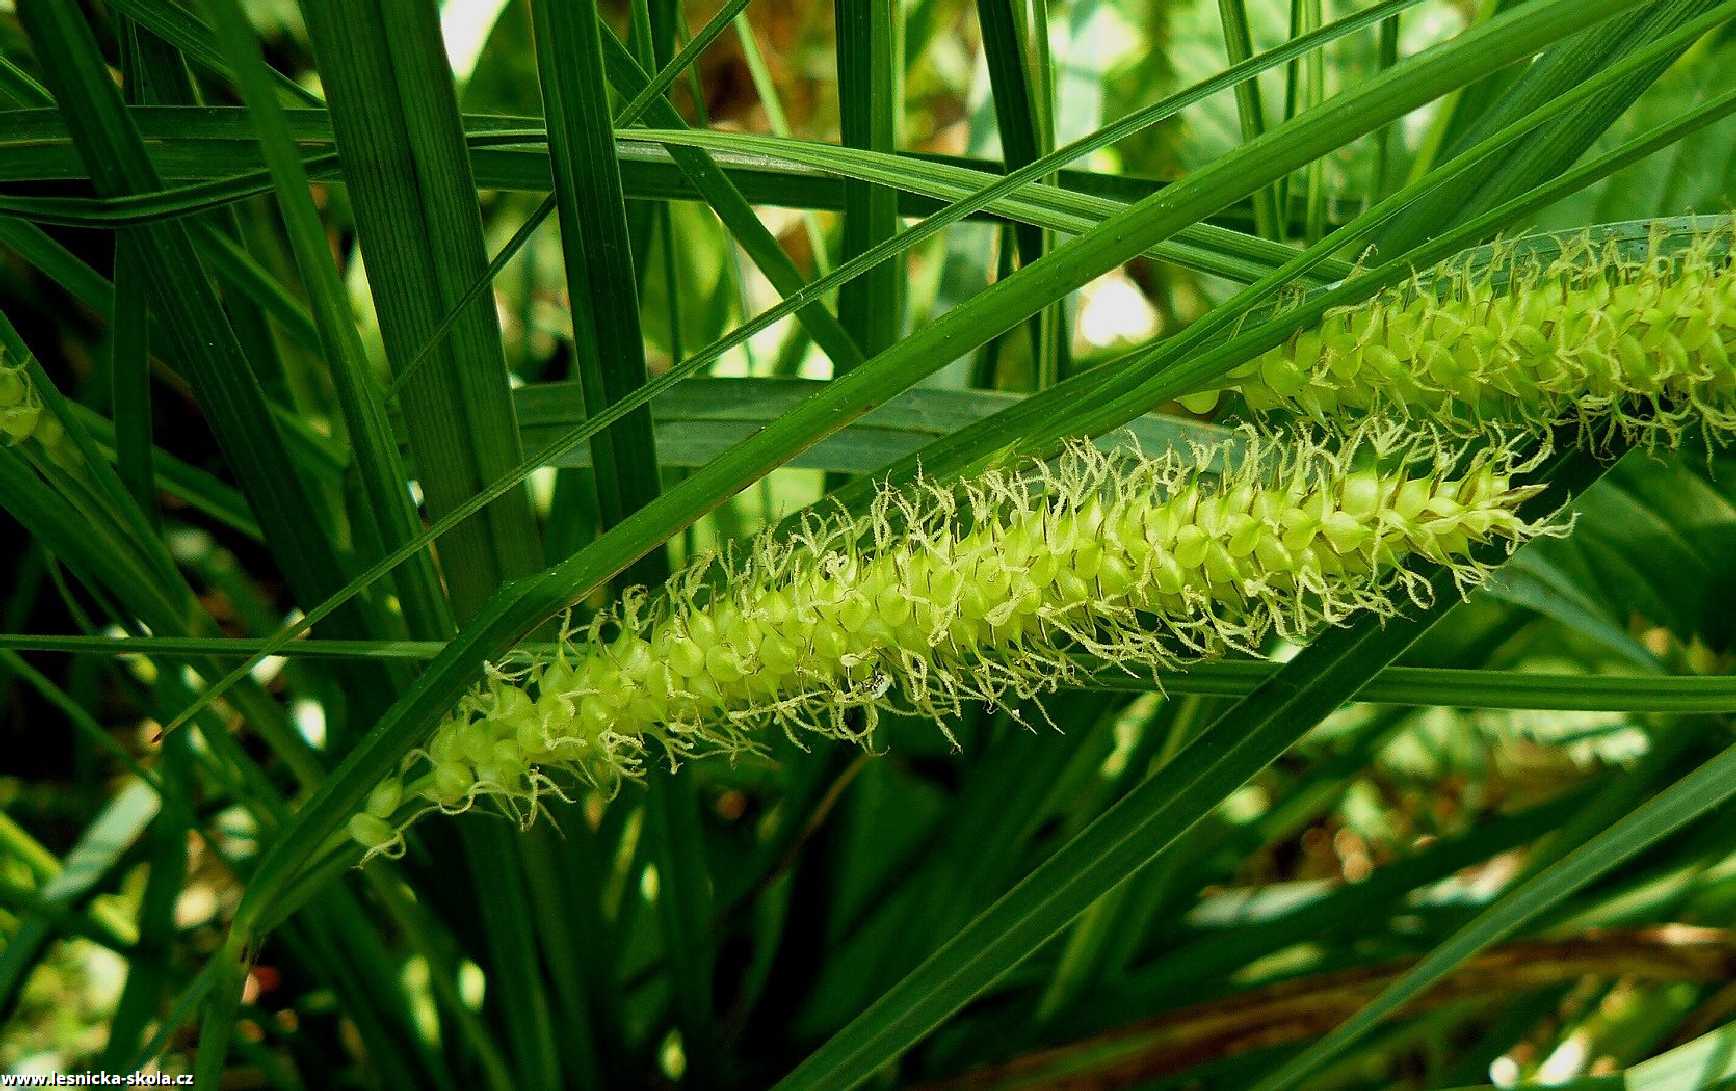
x: 130, y: 375
x: 396, y: 121
x: 870, y: 109
x: 629, y: 114
x: 608, y: 343
x: 1419, y: 686
x: 1699, y: 1063
x: 682, y: 61
x: 1198, y: 246
x: 150, y: 972
x: 601, y: 281
x: 237, y: 270
x: 767, y: 90
x: 21, y: 86
x: 190, y: 485
x: 1020, y: 112
x: 1387, y: 56
x: 129, y: 356
x: 703, y: 417
x: 493, y: 854
x: 182, y: 29
x: 1208, y: 248
x: 1238, y: 47
x: 1463, y: 688
x: 198, y: 145
x: 1313, y: 92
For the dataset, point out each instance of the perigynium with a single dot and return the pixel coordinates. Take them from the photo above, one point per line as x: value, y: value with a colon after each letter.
x: 997, y: 590
x: 22, y: 417
x: 1636, y: 349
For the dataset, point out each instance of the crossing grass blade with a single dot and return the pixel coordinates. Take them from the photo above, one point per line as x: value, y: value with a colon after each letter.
x: 871, y: 107
x: 1012, y: 32
x: 181, y: 28
x: 1564, y: 67
x: 701, y: 418
x: 1418, y: 686
x: 21, y: 86
x: 420, y: 233
x: 1250, y: 108
x: 732, y: 208
x: 682, y: 61
x: 600, y: 278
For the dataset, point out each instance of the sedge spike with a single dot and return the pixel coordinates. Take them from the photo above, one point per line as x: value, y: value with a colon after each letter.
x: 1631, y: 349
x: 995, y: 591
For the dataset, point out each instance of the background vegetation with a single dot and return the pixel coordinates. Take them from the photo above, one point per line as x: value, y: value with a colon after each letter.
x: 285, y: 275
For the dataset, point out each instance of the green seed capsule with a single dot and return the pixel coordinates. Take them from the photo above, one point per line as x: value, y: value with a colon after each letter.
x: 452, y: 782
x: 22, y: 416
x: 477, y: 744
x: 529, y: 736
x: 384, y: 799
x: 372, y: 832
x: 19, y: 422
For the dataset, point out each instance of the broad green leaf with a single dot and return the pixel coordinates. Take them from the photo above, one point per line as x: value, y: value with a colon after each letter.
x: 702, y: 418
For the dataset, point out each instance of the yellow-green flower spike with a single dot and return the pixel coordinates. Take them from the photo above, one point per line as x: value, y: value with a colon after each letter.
x: 1633, y: 348
x: 989, y: 592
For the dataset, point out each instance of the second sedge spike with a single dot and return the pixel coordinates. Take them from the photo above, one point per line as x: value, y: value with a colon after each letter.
x: 1637, y: 349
